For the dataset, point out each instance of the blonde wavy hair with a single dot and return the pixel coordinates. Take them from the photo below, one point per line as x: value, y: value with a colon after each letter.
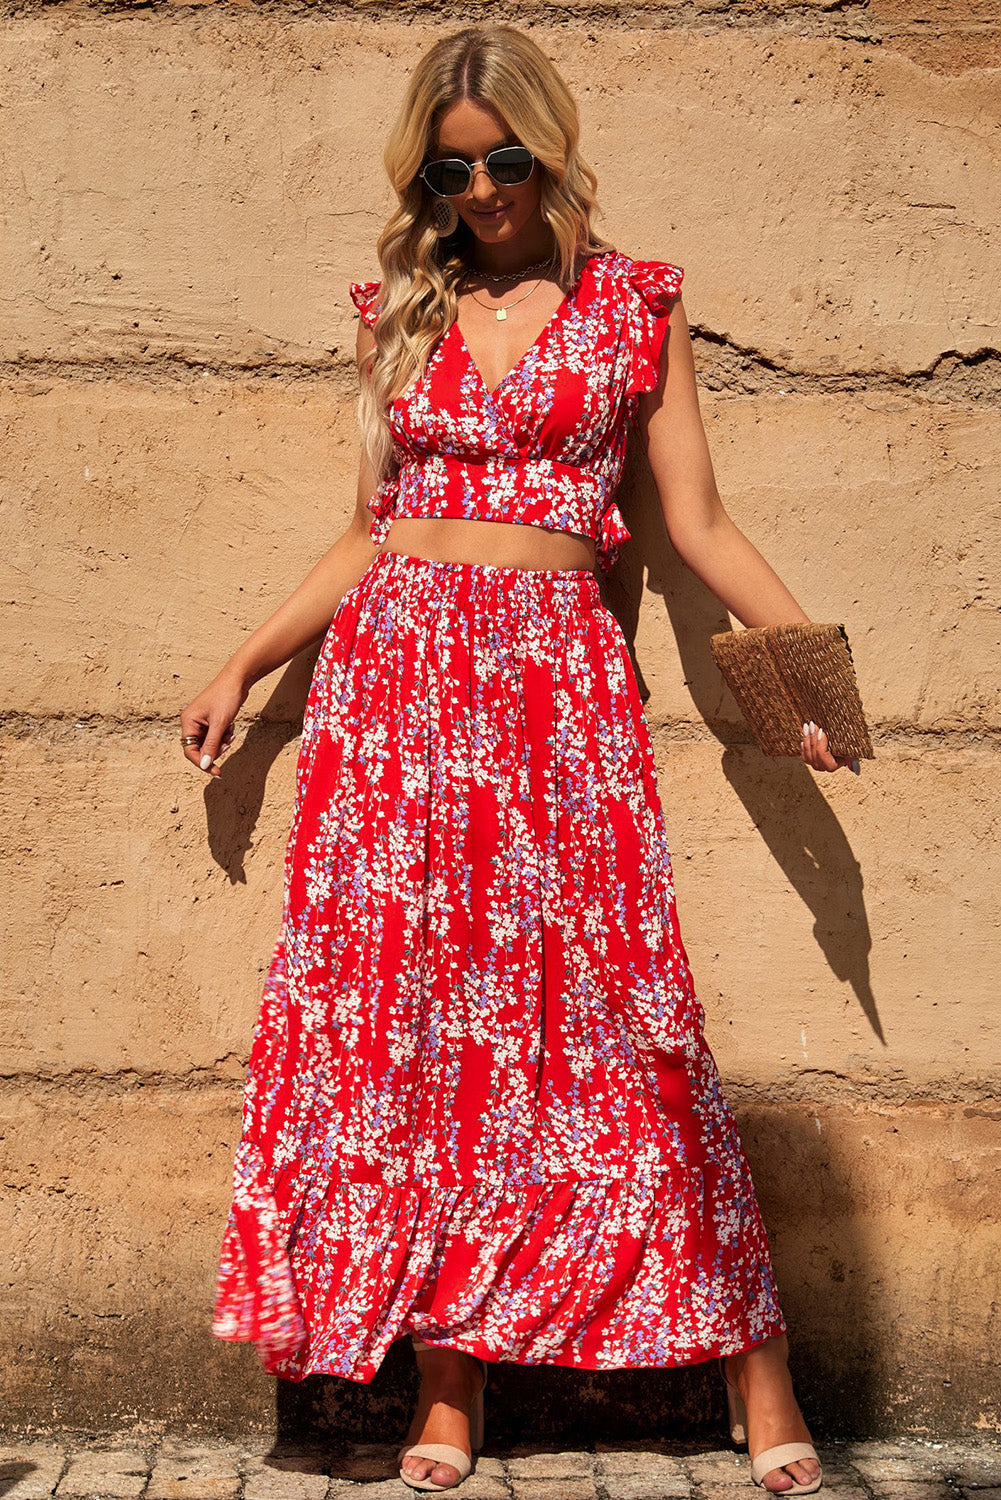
x: 501, y: 68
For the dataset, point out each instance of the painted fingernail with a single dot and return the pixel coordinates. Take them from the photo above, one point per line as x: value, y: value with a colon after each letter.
x: 813, y: 726
x: 806, y: 730
x: 820, y: 731
x: 854, y: 766
x: 205, y: 762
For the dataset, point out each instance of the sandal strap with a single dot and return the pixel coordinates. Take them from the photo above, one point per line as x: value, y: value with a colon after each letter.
x: 777, y: 1458
x: 444, y: 1453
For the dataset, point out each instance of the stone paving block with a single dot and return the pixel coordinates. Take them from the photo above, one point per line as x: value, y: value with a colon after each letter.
x: 722, y: 1467
x: 727, y: 1491
x: 568, y: 1488
x: 189, y: 1471
x: 291, y: 1477
x: 368, y: 1462
x: 257, y: 1445
x: 838, y: 1479
x: 628, y: 1459
x: 913, y: 1489
x: 640, y: 1471
x: 978, y: 1467
x: 548, y: 1465
x: 647, y: 1486
x: 746, y: 1491
x: 484, y: 1486
x: 217, y: 1453
x: 30, y: 1470
x: 377, y: 1489
x: 489, y: 1467
x: 919, y: 1468
x: 312, y: 1460
x: 114, y: 1473
x: 877, y: 1448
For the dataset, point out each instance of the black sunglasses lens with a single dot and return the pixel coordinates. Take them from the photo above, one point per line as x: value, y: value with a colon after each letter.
x: 510, y: 165
x: 447, y: 177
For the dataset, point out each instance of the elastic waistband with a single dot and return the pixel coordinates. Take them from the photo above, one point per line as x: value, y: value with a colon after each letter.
x: 560, y: 587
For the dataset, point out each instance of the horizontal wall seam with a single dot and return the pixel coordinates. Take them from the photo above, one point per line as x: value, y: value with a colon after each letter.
x: 63, y: 728
x: 728, y: 368
x: 808, y: 1088
x: 725, y: 368
x: 849, y: 21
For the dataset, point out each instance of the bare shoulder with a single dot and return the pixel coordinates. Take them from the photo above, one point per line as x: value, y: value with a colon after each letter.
x: 679, y: 317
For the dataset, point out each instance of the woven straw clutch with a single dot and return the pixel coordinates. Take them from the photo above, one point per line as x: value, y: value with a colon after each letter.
x: 782, y: 676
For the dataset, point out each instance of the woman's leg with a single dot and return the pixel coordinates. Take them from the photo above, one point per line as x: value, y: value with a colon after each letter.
x: 761, y: 1375
x: 450, y: 1379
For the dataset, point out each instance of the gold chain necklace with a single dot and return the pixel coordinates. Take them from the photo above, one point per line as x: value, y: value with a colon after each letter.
x: 501, y: 312
x: 506, y: 275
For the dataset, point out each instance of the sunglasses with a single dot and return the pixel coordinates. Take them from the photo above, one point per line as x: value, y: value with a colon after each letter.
x: 450, y: 178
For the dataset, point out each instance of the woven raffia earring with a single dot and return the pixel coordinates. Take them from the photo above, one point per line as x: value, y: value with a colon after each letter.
x: 444, y: 217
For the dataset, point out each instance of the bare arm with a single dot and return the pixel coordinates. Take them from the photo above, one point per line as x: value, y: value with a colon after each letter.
x: 296, y: 624
x: 702, y: 533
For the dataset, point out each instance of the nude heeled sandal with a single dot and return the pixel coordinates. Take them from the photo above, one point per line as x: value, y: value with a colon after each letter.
x: 446, y: 1453
x: 771, y: 1458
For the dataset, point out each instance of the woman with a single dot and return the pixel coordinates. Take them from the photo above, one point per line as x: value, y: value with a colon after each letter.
x: 480, y: 1108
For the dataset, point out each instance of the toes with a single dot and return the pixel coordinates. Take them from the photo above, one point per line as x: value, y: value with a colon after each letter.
x: 779, y: 1480
x: 427, y: 1468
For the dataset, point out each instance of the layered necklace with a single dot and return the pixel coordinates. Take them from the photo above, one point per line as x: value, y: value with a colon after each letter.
x: 501, y: 312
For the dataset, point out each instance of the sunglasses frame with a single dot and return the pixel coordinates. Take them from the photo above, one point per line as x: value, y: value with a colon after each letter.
x: 454, y: 160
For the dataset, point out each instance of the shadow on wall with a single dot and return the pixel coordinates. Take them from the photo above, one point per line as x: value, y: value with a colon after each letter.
x: 842, y: 1346
x: 233, y: 800
x: 781, y: 796
x: 542, y: 1404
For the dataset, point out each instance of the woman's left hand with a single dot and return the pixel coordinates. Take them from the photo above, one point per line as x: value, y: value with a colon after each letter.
x: 817, y: 755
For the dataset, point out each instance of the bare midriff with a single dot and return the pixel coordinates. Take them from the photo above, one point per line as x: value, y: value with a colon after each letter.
x: 498, y: 544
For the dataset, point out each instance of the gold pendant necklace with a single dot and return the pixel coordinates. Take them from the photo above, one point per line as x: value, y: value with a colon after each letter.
x: 501, y: 312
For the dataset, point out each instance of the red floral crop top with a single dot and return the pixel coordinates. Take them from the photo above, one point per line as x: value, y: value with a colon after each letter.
x: 545, y: 447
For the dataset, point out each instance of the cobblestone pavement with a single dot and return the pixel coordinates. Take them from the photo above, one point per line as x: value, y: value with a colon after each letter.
x: 186, y: 1469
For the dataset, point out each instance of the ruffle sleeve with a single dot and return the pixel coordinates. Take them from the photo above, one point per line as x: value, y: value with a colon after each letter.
x: 365, y: 296
x: 654, y: 285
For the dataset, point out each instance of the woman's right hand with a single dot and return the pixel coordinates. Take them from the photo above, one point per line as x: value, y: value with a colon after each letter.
x: 211, y: 716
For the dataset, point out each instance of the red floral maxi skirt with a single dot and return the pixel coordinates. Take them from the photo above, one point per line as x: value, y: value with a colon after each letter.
x: 479, y: 1103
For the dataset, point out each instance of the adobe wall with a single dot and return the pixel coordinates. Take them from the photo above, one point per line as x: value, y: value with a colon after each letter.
x: 188, y: 191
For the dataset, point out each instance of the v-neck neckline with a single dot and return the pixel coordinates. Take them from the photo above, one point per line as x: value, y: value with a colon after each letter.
x: 569, y: 301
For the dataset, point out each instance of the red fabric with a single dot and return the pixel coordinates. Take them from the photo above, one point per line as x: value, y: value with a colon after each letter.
x: 569, y: 400
x: 479, y: 1104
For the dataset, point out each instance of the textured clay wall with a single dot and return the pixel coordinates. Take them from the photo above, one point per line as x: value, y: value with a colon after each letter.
x: 188, y: 190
